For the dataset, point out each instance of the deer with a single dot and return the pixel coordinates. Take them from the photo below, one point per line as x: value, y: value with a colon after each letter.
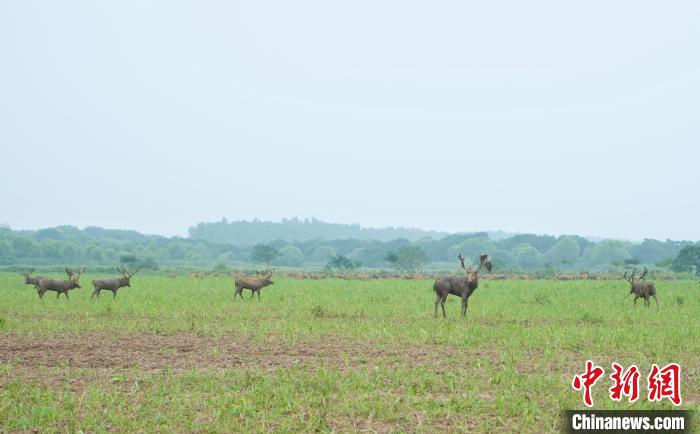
x: 462, y: 287
x: 253, y: 283
x: 60, y: 286
x: 29, y: 280
x: 113, y: 284
x: 641, y: 288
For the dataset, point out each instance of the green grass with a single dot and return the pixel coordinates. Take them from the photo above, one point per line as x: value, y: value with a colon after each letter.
x: 331, y: 354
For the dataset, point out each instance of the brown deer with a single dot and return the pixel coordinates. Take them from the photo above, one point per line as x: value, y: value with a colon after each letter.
x: 113, y: 284
x: 253, y: 283
x: 29, y: 280
x: 60, y: 286
x: 462, y: 287
x: 641, y: 288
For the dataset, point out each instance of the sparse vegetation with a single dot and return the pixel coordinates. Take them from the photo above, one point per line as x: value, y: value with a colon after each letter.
x: 346, y: 355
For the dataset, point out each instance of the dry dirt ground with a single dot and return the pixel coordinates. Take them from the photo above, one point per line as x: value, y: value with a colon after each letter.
x: 184, y: 351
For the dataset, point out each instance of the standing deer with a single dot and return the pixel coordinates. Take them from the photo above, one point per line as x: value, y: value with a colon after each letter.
x: 113, y: 284
x: 29, y: 280
x: 462, y: 287
x: 641, y: 288
x: 253, y: 283
x: 60, y: 286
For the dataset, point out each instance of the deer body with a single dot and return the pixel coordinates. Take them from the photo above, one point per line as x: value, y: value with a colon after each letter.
x: 252, y: 283
x: 60, y: 286
x: 641, y: 288
x: 114, y: 283
x: 462, y: 287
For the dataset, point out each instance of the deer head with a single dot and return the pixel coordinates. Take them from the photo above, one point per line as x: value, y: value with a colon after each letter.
x: 473, y: 275
x: 28, y: 276
x: 634, y: 279
x: 127, y: 273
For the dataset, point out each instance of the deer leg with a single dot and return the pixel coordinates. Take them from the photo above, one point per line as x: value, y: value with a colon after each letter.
x: 258, y: 294
x: 114, y: 293
x: 657, y: 301
x: 252, y: 293
x: 66, y: 295
x: 442, y: 304
x: 464, y: 307
x: 58, y: 294
x: 437, y: 301
x: 635, y: 300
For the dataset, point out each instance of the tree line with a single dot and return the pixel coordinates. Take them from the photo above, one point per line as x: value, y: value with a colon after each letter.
x: 526, y: 252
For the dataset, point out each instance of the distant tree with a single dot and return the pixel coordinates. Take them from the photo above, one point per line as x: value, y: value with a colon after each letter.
x: 606, y: 252
x: 688, y: 260
x: 369, y: 256
x: 651, y: 251
x: 177, y: 252
x: 409, y: 259
x: 527, y: 257
x: 5, y: 249
x: 290, y: 256
x: 24, y: 247
x: 49, y: 234
x: 632, y: 261
x: 540, y: 242
x: 565, y: 251
x: 263, y: 253
x: 472, y: 247
x: 148, y: 264
x: 323, y: 254
x: 132, y: 261
x: 343, y: 263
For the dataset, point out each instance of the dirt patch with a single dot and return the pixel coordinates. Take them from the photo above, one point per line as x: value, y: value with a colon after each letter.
x: 148, y: 352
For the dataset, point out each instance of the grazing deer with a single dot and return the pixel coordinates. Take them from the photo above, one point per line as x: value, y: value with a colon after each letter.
x: 60, y: 286
x: 462, y: 287
x: 253, y: 283
x: 113, y: 284
x: 641, y: 288
x: 29, y: 280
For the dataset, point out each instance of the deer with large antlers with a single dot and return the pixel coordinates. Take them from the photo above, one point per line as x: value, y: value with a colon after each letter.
x: 113, y: 284
x: 640, y: 288
x: 59, y: 286
x: 462, y: 287
x: 31, y: 280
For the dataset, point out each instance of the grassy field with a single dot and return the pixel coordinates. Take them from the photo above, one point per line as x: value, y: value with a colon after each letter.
x: 328, y: 355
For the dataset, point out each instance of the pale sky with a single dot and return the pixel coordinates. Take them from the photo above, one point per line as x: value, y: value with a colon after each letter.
x: 545, y: 117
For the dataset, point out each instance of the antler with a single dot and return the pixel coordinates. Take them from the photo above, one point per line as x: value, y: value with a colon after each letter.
x: 644, y: 274
x: 624, y: 276
x: 127, y: 272
x: 461, y: 259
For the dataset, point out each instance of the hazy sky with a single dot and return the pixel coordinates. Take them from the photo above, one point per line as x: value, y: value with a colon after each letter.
x: 547, y: 117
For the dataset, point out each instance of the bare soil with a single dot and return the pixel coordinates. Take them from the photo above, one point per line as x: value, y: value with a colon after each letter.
x: 149, y: 352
